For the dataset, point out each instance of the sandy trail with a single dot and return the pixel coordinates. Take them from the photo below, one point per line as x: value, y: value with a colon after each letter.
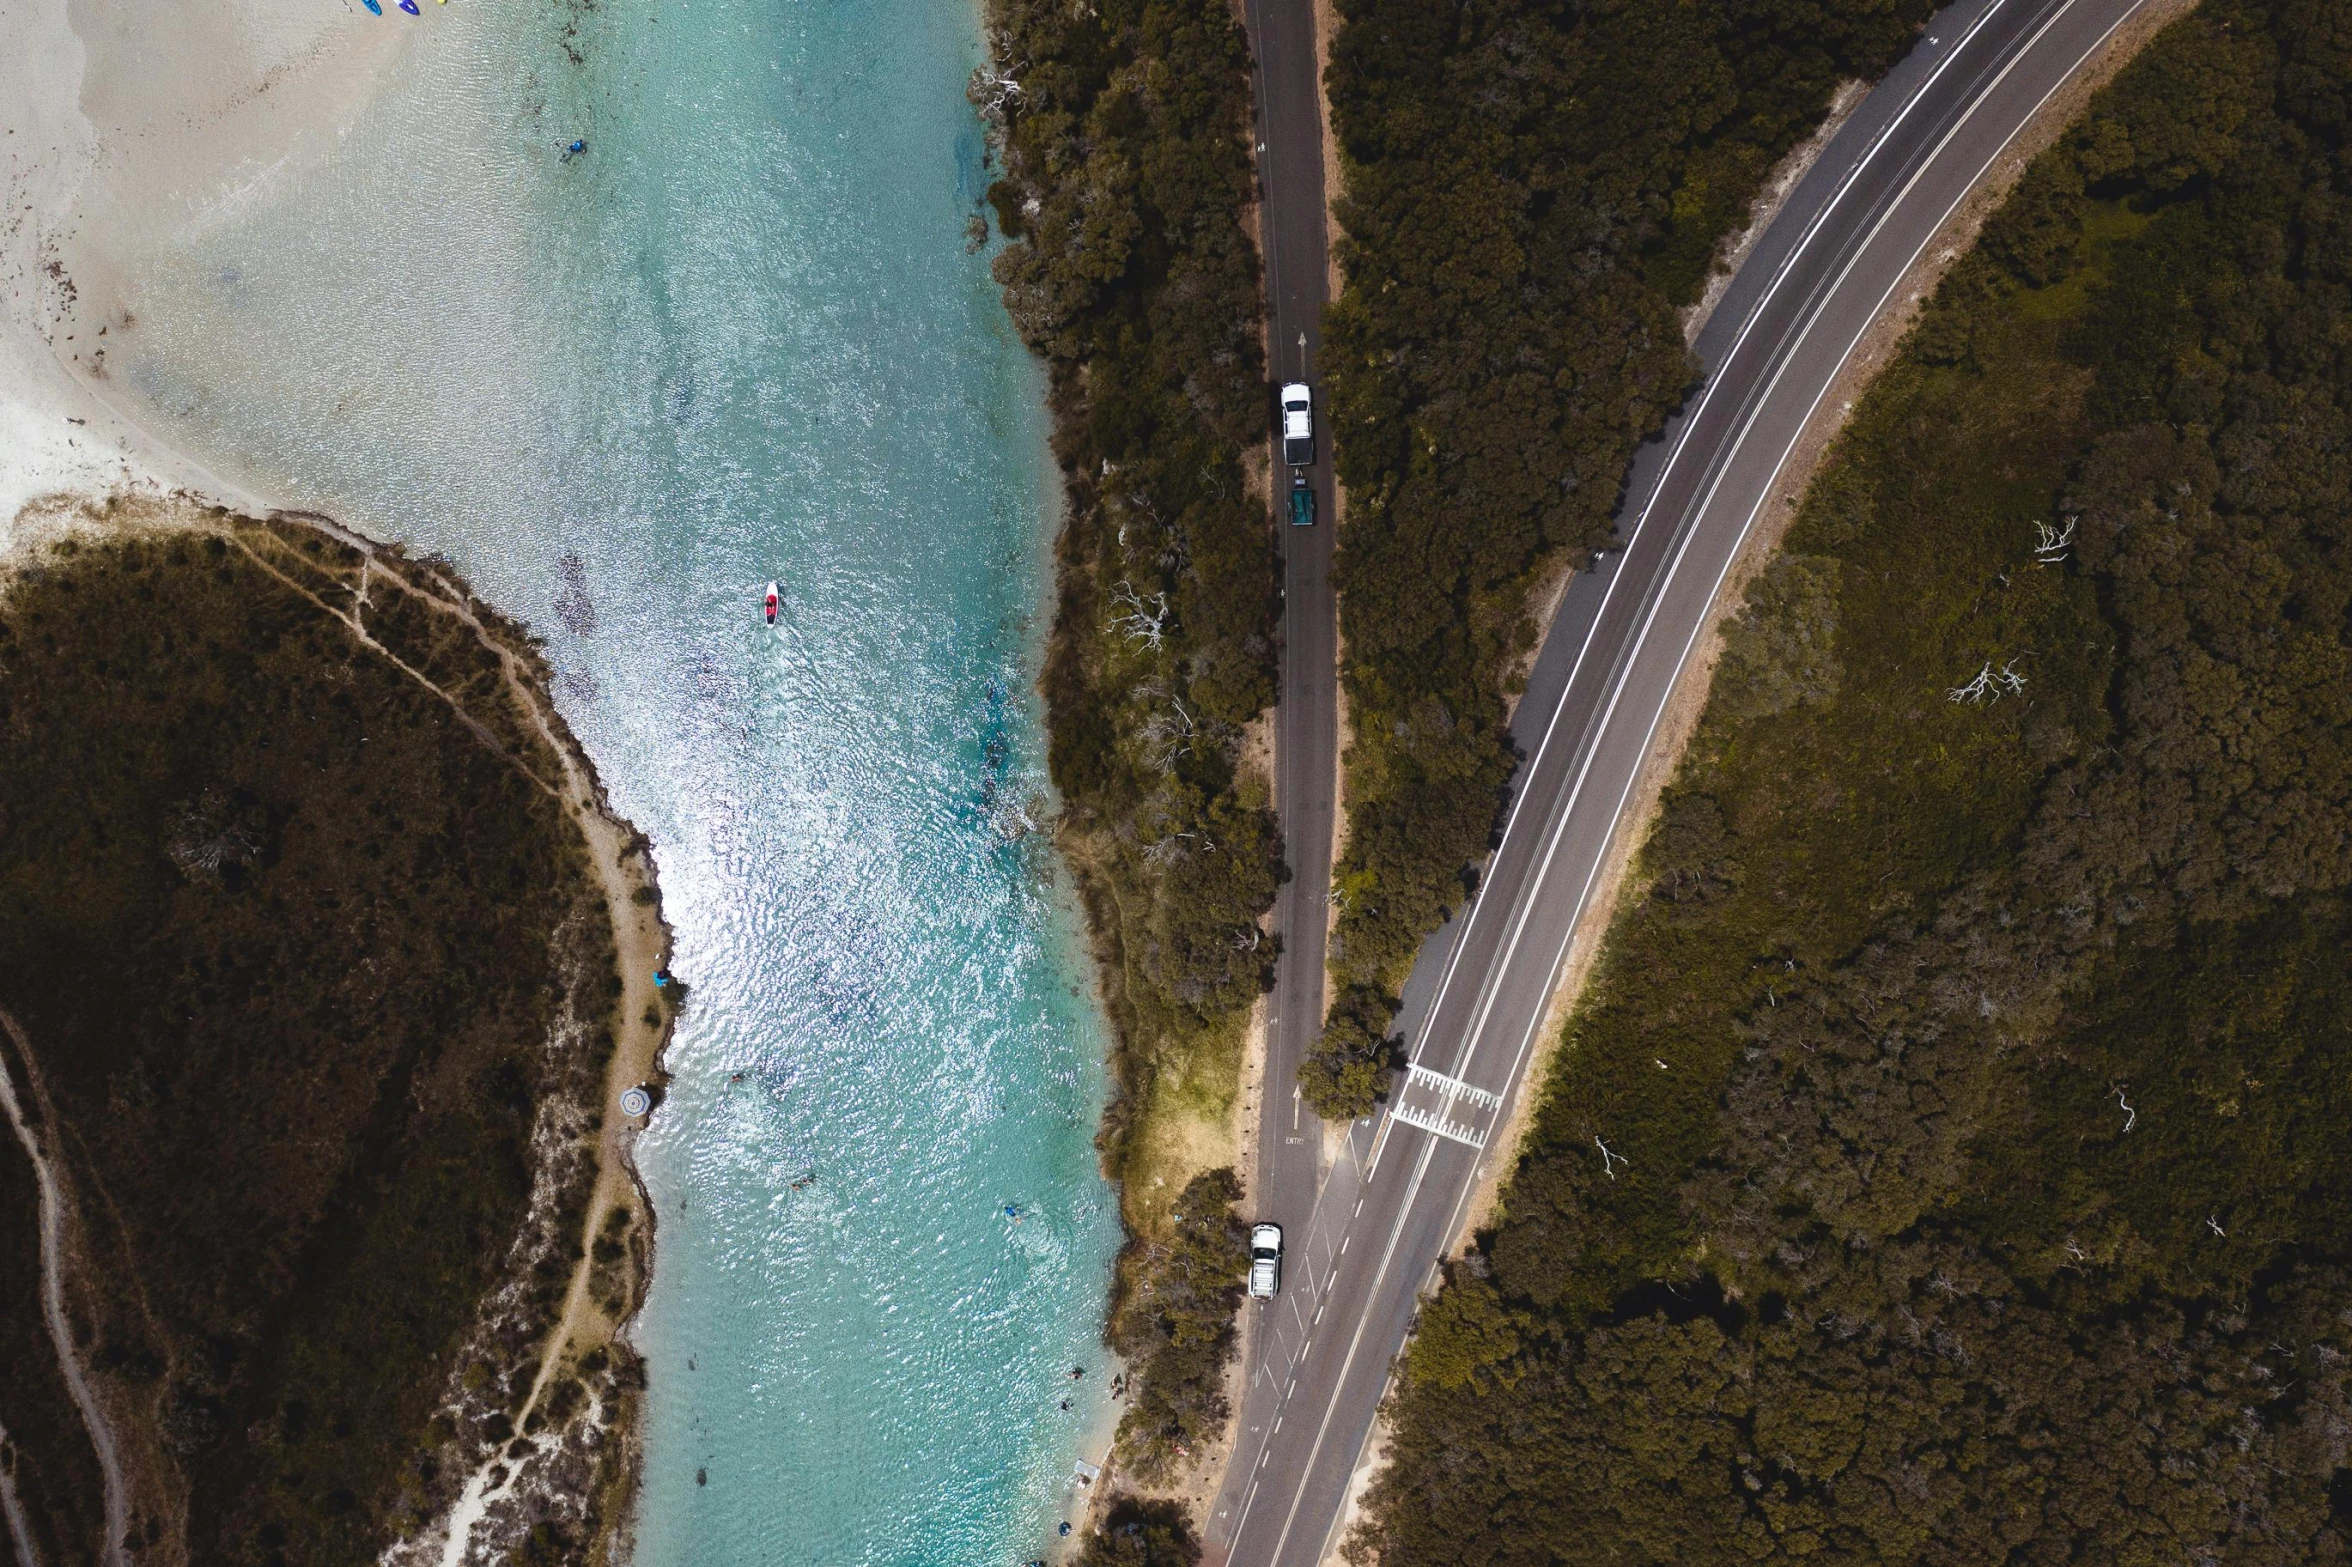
x: 20, y: 1533
x: 640, y: 941
x: 69, y: 1360
x: 358, y: 629
x: 609, y: 841
x: 642, y: 946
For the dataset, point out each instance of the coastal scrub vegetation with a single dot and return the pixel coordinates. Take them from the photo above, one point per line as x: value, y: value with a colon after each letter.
x: 1173, y: 1325
x: 1138, y: 1533
x: 1122, y: 131
x: 309, y: 982
x: 46, y: 1454
x: 1946, y: 1165
x: 1532, y: 192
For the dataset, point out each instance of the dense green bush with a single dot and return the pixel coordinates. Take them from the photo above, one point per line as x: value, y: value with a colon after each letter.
x: 300, y: 958
x: 1173, y: 1322
x: 1123, y: 130
x: 1973, y: 1071
x: 1138, y: 1533
x: 1124, y: 134
x: 1532, y: 192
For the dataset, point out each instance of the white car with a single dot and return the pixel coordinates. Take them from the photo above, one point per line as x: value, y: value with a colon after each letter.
x: 1265, y: 1261
x: 1298, y: 424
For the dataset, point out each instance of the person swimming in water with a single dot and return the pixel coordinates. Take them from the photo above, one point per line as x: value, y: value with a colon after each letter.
x: 573, y: 151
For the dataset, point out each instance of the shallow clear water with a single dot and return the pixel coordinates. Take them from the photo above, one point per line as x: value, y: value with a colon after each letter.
x: 741, y: 338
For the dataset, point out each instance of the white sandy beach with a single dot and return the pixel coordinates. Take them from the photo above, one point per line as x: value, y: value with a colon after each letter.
x: 122, y: 128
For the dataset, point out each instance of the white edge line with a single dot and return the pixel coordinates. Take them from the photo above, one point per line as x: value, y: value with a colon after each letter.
x: 1511, y: 1082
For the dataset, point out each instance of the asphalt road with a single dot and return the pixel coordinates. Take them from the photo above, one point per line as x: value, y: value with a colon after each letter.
x: 1824, y: 272
x: 1291, y: 234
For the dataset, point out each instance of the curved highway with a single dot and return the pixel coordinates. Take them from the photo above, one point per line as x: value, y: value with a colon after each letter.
x: 1824, y: 272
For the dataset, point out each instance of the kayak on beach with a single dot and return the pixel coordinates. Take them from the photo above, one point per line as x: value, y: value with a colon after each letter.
x: 774, y: 602
x: 374, y: 5
x: 410, y: 7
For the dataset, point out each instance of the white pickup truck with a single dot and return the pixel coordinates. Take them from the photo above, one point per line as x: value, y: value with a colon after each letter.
x: 1298, y: 424
x: 1265, y: 1275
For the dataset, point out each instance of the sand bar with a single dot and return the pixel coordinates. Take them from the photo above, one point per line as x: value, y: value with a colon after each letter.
x: 124, y: 127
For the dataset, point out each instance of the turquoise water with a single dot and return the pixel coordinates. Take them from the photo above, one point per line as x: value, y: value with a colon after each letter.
x: 742, y: 338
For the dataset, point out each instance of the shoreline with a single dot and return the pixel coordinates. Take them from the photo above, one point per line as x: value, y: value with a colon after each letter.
x: 80, y: 439
x: 102, y: 144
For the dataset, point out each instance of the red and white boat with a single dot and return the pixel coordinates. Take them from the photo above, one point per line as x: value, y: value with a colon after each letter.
x: 775, y: 602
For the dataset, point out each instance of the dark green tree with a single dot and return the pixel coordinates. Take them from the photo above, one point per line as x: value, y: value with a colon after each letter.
x: 1173, y: 1322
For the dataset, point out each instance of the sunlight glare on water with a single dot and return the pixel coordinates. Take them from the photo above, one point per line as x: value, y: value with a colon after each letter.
x: 742, y: 338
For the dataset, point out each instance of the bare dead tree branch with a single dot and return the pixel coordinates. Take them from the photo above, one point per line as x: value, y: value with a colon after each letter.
x: 1989, y: 682
x: 1168, y: 735
x: 1160, y: 851
x: 1145, y: 621
x: 2050, y: 550
x: 995, y: 85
